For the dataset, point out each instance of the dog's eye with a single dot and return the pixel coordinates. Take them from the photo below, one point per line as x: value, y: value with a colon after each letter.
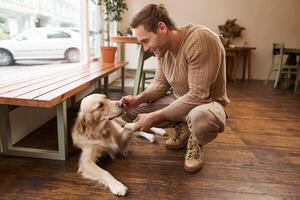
x: 100, y: 105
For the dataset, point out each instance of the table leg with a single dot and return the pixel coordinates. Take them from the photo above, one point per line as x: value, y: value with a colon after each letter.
x: 245, y: 57
x: 249, y: 64
x: 139, y: 71
x: 236, y: 57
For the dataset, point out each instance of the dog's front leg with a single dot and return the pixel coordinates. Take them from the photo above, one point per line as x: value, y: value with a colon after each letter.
x: 90, y: 170
x: 158, y: 131
x: 149, y: 137
x: 145, y: 135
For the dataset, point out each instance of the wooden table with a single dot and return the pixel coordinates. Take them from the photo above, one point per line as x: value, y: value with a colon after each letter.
x: 236, y: 53
x: 291, y: 51
x: 142, y: 57
x: 292, y: 55
x: 46, y: 87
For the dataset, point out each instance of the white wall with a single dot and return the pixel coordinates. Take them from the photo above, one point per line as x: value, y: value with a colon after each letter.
x: 266, y: 21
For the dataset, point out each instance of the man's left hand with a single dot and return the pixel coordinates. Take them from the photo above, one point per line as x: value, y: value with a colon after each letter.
x: 145, y: 121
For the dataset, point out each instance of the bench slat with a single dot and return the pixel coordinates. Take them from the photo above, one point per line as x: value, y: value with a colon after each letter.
x: 34, y: 80
x: 59, y: 83
x: 26, y: 74
x: 47, y: 84
x: 54, y: 95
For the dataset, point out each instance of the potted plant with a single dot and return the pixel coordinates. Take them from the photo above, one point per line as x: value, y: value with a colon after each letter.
x: 112, y: 11
x: 229, y: 31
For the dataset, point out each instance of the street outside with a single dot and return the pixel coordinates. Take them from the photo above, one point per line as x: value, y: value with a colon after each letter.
x: 20, y: 63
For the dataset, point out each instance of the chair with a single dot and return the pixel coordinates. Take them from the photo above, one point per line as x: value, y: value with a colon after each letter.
x: 278, y: 66
x: 297, y: 79
x: 145, y: 77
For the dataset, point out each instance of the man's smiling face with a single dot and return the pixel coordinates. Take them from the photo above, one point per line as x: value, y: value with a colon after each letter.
x: 153, y: 42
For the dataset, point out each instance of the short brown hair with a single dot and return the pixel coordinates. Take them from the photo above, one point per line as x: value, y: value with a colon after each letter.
x: 150, y: 16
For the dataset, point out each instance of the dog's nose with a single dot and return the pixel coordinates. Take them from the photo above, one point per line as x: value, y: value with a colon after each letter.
x: 120, y: 104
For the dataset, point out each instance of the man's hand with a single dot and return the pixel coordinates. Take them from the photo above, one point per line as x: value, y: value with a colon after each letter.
x: 129, y: 102
x: 145, y: 121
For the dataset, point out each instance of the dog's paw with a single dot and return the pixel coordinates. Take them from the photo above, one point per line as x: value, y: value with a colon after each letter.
x: 151, y: 138
x: 118, y: 189
x: 159, y: 131
x: 130, y: 126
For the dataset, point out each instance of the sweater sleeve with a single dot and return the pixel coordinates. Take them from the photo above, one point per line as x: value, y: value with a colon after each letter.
x: 158, y: 87
x: 203, y: 57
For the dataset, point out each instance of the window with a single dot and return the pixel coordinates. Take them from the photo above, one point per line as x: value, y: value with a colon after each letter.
x: 94, y: 24
x: 58, y: 34
x: 29, y: 30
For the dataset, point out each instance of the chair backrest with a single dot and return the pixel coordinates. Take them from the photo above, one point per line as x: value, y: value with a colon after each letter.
x: 278, y: 48
x: 277, y: 55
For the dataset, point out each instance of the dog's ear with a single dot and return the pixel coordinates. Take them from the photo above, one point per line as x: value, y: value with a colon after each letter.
x: 80, y: 124
x: 84, y: 121
x: 89, y: 119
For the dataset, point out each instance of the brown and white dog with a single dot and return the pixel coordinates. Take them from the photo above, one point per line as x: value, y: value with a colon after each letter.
x: 98, y: 131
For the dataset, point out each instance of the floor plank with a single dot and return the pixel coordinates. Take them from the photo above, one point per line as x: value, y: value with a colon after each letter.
x: 257, y: 157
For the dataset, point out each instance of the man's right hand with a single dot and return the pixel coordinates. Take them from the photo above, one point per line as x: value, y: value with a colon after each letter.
x: 130, y: 102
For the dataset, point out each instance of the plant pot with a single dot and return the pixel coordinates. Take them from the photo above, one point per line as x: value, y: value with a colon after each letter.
x: 108, y: 54
x: 225, y: 41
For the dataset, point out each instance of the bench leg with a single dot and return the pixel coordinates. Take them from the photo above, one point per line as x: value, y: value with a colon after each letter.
x: 62, y: 135
x: 9, y: 149
x: 105, y: 85
x: 122, y: 79
x: 4, y: 128
x: 99, y: 86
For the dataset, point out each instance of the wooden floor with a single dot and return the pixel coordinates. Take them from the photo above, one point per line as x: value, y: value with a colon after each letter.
x: 256, y: 158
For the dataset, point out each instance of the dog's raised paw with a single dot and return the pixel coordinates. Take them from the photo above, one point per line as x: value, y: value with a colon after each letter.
x: 159, y: 131
x: 118, y: 189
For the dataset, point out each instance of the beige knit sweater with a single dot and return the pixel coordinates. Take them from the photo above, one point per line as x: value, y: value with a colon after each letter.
x: 196, y: 74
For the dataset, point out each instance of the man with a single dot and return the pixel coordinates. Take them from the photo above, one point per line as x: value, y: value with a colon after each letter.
x: 191, y: 65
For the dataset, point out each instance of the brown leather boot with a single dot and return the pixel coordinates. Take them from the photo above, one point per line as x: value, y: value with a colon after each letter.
x: 180, y: 137
x: 194, y: 156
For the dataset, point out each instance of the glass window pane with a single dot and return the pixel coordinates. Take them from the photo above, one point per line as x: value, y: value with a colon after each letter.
x: 94, y: 24
x: 57, y: 34
x: 35, y: 32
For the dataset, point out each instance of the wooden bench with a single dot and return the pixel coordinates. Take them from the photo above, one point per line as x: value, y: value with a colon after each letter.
x: 48, y: 86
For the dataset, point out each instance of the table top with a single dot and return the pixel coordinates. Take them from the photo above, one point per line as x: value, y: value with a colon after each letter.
x: 125, y: 39
x: 291, y: 51
x: 239, y: 48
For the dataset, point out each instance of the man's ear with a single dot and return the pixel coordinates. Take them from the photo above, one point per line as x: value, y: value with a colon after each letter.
x: 161, y: 26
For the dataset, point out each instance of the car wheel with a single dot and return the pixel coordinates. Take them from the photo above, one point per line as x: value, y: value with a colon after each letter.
x: 72, y: 55
x: 6, y: 58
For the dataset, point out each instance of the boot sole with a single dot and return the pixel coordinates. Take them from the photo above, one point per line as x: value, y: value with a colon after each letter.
x: 193, y: 169
x: 183, y: 144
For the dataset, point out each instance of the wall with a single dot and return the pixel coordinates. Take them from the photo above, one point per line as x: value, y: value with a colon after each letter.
x: 266, y: 21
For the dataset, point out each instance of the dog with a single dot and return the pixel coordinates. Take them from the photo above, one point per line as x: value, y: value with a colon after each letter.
x: 99, y: 130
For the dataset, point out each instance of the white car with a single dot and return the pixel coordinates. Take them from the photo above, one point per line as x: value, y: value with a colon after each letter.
x: 41, y: 43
